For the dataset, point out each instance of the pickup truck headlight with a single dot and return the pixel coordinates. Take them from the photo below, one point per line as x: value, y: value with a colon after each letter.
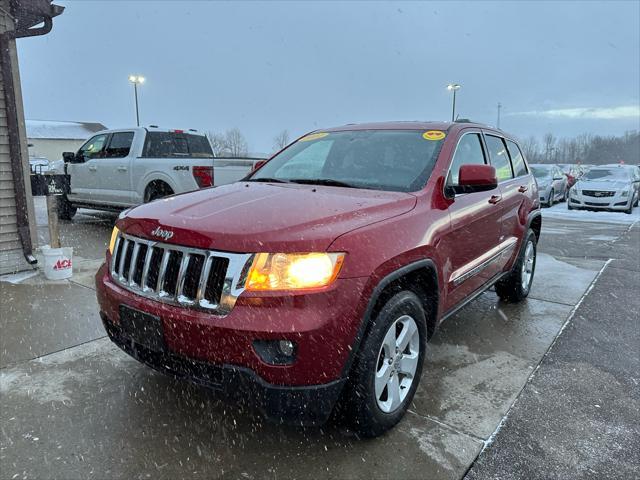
x: 293, y: 271
x: 112, y: 242
x: 625, y: 193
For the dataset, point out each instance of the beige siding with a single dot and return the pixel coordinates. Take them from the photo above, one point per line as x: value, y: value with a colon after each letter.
x: 11, y: 254
x: 52, y: 149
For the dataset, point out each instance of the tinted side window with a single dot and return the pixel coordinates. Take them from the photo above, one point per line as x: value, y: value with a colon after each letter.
x: 499, y: 157
x: 119, y: 145
x: 517, y: 160
x: 468, y: 151
x: 93, y: 148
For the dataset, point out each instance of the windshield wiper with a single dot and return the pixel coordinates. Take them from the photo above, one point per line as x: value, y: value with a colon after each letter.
x: 323, y: 181
x: 268, y: 180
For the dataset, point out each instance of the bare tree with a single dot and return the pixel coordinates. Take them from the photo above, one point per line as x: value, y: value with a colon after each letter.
x: 218, y: 144
x: 549, y: 145
x: 531, y: 149
x: 281, y: 140
x: 236, y: 144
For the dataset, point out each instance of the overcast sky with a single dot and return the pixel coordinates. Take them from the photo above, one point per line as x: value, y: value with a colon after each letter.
x: 567, y: 67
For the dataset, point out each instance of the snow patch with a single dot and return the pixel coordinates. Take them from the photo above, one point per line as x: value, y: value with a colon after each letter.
x: 560, y: 210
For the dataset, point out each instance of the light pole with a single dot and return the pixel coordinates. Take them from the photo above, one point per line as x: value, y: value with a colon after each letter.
x: 453, y: 87
x: 499, y: 107
x: 136, y: 79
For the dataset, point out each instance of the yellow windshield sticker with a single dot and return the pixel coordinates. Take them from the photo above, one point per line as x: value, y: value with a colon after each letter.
x: 313, y: 136
x: 433, y: 135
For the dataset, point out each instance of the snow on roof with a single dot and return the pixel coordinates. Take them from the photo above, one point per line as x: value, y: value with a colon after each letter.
x: 62, y: 130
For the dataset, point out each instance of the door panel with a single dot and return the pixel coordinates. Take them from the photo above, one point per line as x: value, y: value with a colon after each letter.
x: 475, y: 230
x: 84, y: 175
x: 475, y: 227
x: 115, y: 170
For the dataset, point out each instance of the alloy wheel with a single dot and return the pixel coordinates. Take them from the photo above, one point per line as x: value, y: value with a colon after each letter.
x: 397, y: 363
x: 527, y: 265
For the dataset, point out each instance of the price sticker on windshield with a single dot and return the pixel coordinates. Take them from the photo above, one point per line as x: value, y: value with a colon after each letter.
x: 433, y: 135
x: 313, y: 136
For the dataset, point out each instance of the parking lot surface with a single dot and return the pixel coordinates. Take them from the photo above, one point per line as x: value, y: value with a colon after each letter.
x: 75, y: 406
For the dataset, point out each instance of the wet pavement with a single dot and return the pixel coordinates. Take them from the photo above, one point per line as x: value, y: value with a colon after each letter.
x: 92, y: 412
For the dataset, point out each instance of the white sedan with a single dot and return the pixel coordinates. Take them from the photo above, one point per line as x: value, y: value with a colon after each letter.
x: 614, y: 187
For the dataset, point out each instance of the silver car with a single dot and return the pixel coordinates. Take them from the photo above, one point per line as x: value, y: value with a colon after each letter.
x: 552, y: 183
x: 607, y: 187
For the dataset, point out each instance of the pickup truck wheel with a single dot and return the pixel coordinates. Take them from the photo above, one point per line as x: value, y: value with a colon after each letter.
x: 66, y: 210
x: 387, y: 370
x: 516, y: 285
x: 156, y: 190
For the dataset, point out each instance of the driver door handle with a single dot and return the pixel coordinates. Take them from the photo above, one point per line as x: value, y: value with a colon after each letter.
x: 523, y: 188
x: 495, y: 199
x: 122, y: 168
x: 93, y: 168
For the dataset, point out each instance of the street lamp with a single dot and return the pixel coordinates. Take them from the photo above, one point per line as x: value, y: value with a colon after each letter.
x: 453, y: 87
x: 136, y: 79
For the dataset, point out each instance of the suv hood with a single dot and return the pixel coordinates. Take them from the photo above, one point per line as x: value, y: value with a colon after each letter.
x: 254, y: 217
x: 606, y: 185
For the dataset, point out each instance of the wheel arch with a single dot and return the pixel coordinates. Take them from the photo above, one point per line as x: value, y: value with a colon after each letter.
x: 534, y: 222
x: 420, y: 277
x: 157, y: 183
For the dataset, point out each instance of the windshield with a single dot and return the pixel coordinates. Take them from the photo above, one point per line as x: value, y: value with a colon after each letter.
x: 397, y: 160
x: 541, y: 171
x: 176, y: 145
x: 607, y: 174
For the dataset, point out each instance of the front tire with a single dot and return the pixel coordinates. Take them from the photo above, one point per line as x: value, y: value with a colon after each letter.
x: 552, y: 195
x: 388, y: 367
x: 516, y: 285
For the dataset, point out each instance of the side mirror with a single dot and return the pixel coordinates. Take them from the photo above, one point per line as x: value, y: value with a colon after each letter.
x: 476, y: 178
x: 258, y: 165
x: 71, y: 157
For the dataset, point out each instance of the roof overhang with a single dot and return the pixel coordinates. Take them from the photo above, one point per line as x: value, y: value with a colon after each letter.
x: 29, y: 13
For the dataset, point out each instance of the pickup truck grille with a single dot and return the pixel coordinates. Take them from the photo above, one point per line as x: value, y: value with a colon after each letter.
x: 177, y: 275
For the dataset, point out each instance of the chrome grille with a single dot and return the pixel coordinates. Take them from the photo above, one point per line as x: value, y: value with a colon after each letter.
x: 179, y: 275
x: 597, y: 193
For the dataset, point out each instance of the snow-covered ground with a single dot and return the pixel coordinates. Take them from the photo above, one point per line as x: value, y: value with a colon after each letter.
x: 560, y: 210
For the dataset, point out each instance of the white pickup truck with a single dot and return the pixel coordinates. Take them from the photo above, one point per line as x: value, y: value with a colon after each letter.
x: 116, y: 169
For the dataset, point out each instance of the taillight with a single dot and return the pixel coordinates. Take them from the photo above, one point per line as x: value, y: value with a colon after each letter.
x: 203, y: 176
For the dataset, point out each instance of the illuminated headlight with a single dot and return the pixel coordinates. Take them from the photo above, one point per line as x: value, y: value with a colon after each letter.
x: 625, y: 193
x: 112, y: 242
x: 293, y: 271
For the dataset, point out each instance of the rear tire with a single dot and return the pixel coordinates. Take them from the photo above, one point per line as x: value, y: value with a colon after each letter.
x: 381, y: 384
x: 157, y: 190
x: 66, y: 210
x: 516, y: 286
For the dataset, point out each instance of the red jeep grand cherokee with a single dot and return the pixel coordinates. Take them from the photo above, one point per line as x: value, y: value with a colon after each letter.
x: 318, y: 279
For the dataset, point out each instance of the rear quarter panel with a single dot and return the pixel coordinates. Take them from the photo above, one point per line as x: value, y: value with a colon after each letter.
x: 176, y: 172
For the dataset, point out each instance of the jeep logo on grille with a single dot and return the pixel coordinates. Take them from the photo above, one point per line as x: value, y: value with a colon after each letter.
x: 164, y: 234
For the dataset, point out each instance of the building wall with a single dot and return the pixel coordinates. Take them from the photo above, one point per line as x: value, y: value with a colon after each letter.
x: 52, y: 148
x: 11, y: 250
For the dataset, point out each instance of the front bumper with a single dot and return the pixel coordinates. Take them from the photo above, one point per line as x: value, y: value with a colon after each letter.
x: 322, y: 324
x: 615, y: 202
x: 300, y: 406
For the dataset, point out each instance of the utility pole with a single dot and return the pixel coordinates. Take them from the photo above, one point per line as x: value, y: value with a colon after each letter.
x: 499, y: 107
